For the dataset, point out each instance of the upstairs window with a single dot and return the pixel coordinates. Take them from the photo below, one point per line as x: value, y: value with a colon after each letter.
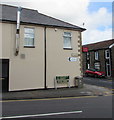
x: 87, y: 55
x: 67, y: 40
x: 96, y: 55
x: 107, y: 54
x: 28, y: 37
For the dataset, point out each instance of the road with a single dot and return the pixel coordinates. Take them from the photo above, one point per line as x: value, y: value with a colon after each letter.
x: 78, y: 107
x: 99, y: 82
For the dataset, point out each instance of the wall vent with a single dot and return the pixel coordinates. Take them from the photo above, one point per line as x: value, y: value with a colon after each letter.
x: 22, y: 56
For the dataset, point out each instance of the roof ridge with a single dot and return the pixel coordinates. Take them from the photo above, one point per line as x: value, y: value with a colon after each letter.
x: 98, y: 42
x: 18, y: 6
x: 62, y: 21
x: 2, y: 4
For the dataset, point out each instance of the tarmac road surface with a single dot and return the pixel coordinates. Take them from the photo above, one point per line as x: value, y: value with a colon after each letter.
x: 99, y: 82
x: 75, y: 107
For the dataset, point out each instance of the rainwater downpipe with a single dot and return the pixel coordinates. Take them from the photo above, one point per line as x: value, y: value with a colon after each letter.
x: 45, y: 59
x: 17, y: 31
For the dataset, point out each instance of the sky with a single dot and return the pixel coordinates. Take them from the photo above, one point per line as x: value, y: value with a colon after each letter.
x: 95, y: 14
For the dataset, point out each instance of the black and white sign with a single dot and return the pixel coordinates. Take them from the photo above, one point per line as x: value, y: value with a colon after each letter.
x: 73, y: 59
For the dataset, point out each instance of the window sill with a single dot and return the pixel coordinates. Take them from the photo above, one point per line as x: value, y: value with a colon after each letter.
x: 68, y: 48
x: 29, y: 46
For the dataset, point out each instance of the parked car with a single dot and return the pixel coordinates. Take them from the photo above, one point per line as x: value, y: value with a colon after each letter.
x: 94, y: 72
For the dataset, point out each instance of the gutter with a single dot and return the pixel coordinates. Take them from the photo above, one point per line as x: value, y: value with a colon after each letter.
x: 111, y: 45
x: 57, y: 26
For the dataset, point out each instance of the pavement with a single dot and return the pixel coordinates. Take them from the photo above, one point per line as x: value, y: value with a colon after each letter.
x: 86, y: 90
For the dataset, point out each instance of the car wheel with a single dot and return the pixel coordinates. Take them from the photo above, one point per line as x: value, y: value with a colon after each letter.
x: 95, y: 76
x: 86, y: 74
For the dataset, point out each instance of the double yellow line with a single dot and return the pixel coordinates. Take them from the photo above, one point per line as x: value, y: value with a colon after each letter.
x: 52, y: 98
x: 107, y: 88
x: 63, y: 98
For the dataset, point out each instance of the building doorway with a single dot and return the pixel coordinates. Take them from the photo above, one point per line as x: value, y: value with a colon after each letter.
x: 108, y: 63
x: 4, y: 74
x: 108, y: 68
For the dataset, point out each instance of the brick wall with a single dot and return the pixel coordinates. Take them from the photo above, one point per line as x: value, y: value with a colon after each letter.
x: 102, y: 60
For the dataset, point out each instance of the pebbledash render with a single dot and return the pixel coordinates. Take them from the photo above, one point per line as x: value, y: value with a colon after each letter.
x: 36, y: 48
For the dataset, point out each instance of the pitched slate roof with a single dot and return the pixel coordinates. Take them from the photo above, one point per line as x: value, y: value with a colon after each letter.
x: 9, y: 13
x: 99, y: 45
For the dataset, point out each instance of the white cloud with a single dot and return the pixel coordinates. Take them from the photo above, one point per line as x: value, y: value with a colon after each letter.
x: 97, y: 35
x: 100, y: 18
x: 101, y: 0
x: 76, y: 12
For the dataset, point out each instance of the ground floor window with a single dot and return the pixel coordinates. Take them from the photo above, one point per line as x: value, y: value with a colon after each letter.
x: 88, y: 66
x: 97, y: 65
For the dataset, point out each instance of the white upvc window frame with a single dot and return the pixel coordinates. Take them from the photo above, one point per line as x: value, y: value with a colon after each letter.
x: 88, y: 66
x: 97, y: 65
x: 29, y: 33
x: 67, y: 36
x: 106, y: 56
x: 96, y: 55
x: 88, y: 55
